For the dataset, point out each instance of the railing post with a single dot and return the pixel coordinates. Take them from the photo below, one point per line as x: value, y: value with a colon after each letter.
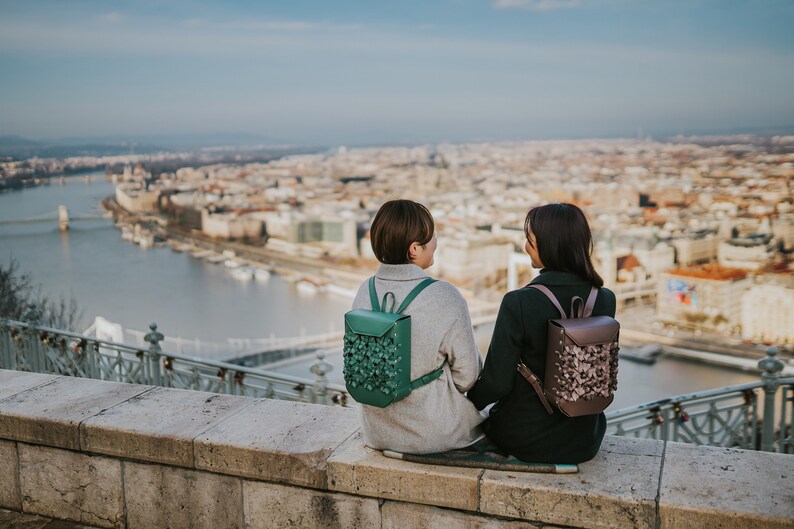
x: 37, y: 355
x: 771, y: 367
x: 154, y: 338
x: 92, y: 360
x: 320, y: 368
x: 6, y: 345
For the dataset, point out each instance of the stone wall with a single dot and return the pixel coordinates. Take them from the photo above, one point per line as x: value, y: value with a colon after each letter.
x: 120, y: 455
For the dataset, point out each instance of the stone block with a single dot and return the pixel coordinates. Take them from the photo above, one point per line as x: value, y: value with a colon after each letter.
x: 617, y: 489
x: 397, y: 515
x: 17, y: 520
x: 283, y: 442
x: 727, y: 488
x: 356, y: 469
x: 158, y: 425
x: 9, y: 477
x: 12, y: 382
x: 176, y: 498
x: 271, y: 506
x: 72, y: 486
x: 50, y: 414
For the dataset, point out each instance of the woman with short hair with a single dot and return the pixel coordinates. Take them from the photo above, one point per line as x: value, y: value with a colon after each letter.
x: 437, y: 416
x: 559, y: 242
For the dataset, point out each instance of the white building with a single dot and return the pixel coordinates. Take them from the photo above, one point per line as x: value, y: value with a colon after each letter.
x: 472, y: 257
x: 231, y: 225
x: 135, y: 199
x: 337, y: 235
x: 768, y: 314
x: 695, y: 249
x: 632, y: 261
x: 749, y: 253
x: 706, y: 297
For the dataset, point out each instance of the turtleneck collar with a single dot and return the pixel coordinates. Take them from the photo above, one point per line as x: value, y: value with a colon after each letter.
x: 400, y: 272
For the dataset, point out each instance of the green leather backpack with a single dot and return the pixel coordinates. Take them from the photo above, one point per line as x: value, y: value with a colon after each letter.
x: 377, y: 351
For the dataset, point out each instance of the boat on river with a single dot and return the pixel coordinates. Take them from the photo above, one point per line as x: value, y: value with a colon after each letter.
x: 243, y: 273
x: 261, y: 274
x: 647, y: 354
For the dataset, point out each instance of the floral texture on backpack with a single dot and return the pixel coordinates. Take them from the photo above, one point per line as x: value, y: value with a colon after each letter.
x: 590, y: 371
x: 370, y: 362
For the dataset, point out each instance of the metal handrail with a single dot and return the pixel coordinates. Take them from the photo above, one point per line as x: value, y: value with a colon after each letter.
x: 640, y: 408
x: 723, y: 417
x: 105, y: 359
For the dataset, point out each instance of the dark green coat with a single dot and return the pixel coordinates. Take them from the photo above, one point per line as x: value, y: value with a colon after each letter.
x: 518, y: 422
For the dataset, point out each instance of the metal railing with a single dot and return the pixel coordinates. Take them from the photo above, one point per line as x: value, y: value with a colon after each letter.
x: 727, y: 417
x: 28, y: 347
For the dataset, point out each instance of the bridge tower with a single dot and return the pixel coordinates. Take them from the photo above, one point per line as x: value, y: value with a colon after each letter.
x: 63, y: 218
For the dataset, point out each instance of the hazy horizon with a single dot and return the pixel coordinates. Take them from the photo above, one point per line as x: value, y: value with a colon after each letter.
x: 413, y: 72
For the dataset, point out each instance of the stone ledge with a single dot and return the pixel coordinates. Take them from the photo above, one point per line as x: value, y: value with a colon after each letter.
x: 356, y: 469
x: 13, y: 382
x: 237, y: 448
x: 727, y: 488
x: 50, y: 413
x: 158, y: 425
x: 282, y: 442
x: 620, y: 484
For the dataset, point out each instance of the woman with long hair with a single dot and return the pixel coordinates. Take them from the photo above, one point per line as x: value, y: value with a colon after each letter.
x: 435, y: 417
x: 559, y: 243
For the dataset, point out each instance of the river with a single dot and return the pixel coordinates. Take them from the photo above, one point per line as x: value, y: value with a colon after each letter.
x: 191, y: 298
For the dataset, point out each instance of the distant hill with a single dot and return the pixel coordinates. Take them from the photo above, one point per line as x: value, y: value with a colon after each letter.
x: 19, y: 147
x: 12, y: 142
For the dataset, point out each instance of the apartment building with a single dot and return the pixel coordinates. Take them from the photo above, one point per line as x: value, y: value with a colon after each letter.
x: 705, y: 297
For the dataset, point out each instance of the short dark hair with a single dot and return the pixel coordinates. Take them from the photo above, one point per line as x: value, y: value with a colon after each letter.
x: 563, y: 240
x: 396, y: 225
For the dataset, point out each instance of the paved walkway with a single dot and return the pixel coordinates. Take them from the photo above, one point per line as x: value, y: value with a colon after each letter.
x: 16, y: 520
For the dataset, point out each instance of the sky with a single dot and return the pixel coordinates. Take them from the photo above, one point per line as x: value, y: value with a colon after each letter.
x: 367, y: 72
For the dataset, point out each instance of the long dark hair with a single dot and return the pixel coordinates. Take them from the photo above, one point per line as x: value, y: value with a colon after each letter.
x: 563, y: 240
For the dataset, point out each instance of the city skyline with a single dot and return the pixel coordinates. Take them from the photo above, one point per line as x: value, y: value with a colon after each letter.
x: 460, y: 70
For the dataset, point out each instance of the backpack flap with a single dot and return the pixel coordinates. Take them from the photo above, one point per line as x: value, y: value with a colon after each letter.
x: 592, y: 330
x: 370, y: 323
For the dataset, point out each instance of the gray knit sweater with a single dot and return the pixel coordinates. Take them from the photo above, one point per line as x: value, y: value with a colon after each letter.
x: 435, y: 417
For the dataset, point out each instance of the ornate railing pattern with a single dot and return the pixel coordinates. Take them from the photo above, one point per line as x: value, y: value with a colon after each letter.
x: 721, y: 417
x: 26, y: 347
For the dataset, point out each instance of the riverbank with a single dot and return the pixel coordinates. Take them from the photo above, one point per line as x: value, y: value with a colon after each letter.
x: 16, y: 183
x: 321, y: 272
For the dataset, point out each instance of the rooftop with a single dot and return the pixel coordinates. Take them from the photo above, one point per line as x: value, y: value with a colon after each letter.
x: 710, y: 271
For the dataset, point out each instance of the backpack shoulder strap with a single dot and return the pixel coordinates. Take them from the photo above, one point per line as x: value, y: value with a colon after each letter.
x: 373, y: 296
x: 590, y: 304
x: 532, y: 378
x: 415, y: 292
x: 425, y: 379
x: 552, y: 298
x: 428, y: 377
